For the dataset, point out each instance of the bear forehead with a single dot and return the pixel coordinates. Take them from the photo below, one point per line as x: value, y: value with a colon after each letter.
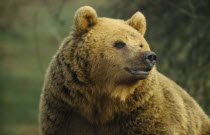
x: 115, y: 27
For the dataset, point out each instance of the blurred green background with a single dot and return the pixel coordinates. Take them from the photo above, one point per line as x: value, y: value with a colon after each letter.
x: 31, y: 31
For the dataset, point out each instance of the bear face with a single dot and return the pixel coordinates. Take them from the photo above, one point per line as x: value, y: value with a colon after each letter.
x: 109, y: 52
x: 117, y: 48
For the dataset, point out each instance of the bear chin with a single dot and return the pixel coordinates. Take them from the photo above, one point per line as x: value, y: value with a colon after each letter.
x: 131, y: 80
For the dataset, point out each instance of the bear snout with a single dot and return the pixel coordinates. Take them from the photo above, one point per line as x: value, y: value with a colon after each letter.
x: 150, y: 58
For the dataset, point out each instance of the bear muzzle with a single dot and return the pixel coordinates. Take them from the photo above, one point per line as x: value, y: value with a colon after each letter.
x: 149, y: 59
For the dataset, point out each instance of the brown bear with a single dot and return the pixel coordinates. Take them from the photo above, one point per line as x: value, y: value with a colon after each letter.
x: 103, y: 81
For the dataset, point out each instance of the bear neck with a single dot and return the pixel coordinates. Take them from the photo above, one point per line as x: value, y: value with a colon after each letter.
x: 100, y: 108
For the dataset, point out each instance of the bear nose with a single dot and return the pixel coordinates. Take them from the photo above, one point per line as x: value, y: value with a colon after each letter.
x: 150, y: 58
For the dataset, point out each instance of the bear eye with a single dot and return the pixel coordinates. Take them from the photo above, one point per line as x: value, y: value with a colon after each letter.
x: 119, y: 44
x: 141, y: 45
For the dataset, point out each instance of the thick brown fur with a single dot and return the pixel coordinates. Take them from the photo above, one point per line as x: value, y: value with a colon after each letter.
x: 88, y: 92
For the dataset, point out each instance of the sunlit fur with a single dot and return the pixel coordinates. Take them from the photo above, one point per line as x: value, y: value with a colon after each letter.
x: 87, y: 91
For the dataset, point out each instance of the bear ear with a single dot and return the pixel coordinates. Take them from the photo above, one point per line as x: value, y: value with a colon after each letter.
x: 85, y: 17
x: 138, y: 22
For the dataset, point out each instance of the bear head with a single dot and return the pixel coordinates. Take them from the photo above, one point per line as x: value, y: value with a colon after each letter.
x: 108, y: 53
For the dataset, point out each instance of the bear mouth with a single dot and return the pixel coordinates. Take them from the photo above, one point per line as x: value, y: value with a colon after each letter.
x: 141, y: 72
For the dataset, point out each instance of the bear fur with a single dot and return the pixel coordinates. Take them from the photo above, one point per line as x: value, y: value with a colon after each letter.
x: 88, y: 92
